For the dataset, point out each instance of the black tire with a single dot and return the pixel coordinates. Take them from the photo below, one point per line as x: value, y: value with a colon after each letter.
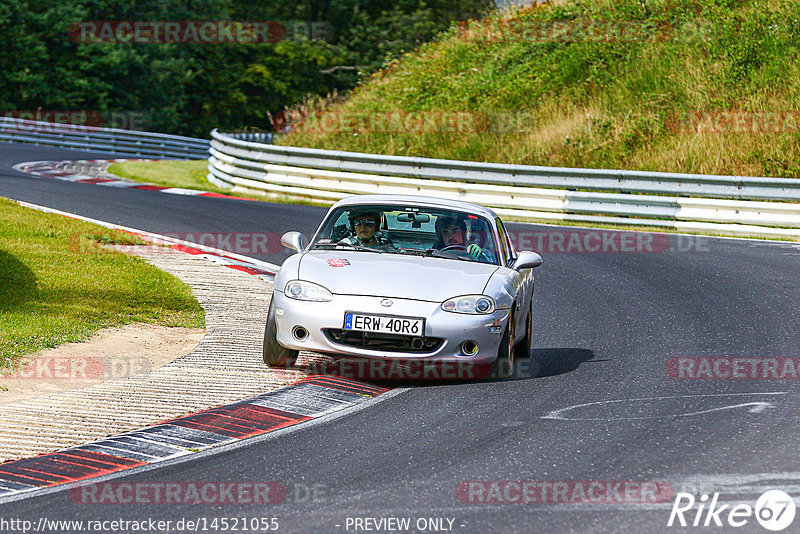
x: 504, y: 364
x: 275, y: 354
x: 523, y: 349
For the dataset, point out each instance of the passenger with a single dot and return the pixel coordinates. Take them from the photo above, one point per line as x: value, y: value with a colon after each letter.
x: 451, y: 231
x: 365, y: 226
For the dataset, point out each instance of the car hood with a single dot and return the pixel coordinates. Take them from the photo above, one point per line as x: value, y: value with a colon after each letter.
x: 394, y: 275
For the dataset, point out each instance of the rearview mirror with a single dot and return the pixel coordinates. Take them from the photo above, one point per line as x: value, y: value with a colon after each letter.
x: 294, y: 241
x: 416, y: 219
x: 527, y: 260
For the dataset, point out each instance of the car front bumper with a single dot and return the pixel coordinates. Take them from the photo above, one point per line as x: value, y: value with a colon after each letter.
x: 452, y: 328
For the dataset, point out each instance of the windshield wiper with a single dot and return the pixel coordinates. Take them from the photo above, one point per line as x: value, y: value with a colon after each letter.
x: 434, y: 253
x: 448, y: 255
x: 347, y: 246
x: 439, y: 254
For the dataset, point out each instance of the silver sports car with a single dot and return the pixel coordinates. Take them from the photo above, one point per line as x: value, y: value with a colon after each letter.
x: 411, y: 278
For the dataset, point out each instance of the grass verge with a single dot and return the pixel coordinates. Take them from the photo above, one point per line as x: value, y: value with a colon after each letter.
x: 694, y: 86
x: 58, y: 285
x: 168, y: 173
x: 188, y: 175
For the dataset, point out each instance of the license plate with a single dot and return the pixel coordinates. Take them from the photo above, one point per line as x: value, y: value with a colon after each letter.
x: 386, y: 324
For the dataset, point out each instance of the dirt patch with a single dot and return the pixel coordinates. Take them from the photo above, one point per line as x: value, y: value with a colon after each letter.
x: 111, y: 354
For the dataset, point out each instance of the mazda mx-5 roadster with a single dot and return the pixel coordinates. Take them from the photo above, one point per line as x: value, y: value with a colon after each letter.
x: 411, y: 278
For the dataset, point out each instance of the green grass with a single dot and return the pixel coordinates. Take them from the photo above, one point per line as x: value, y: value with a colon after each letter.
x: 58, y: 285
x: 168, y: 173
x: 536, y: 97
x: 174, y: 173
x: 190, y: 175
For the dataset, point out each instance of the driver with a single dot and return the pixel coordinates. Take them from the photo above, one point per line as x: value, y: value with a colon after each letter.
x: 451, y: 231
x: 365, y: 226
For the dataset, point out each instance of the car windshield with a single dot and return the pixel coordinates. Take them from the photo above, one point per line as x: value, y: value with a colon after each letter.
x: 410, y: 230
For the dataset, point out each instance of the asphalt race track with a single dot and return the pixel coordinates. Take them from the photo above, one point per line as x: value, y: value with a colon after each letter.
x: 608, y: 417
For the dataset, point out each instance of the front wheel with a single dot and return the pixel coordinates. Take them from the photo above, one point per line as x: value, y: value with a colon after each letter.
x: 275, y: 354
x: 523, y: 349
x: 503, y: 366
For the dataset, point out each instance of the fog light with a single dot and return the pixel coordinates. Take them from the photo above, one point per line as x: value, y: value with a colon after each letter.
x: 299, y: 333
x: 469, y: 348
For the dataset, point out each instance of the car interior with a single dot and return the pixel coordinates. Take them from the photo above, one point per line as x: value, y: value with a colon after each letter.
x: 410, y: 228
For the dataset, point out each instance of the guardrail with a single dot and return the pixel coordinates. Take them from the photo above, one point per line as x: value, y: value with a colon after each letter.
x: 727, y: 205
x: 126, y: 142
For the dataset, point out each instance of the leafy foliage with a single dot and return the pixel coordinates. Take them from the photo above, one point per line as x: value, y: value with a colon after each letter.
x: 190, y: 88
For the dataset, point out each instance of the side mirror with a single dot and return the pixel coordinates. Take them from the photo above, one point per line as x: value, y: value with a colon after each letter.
x: 294, y: 241
x: 527, y: 260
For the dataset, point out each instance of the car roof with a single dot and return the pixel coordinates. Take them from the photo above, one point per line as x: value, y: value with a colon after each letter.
x: 416, y: 200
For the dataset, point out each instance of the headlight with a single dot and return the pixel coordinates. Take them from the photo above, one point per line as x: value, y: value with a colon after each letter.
x: 474, y: 304
x: 302, y: 290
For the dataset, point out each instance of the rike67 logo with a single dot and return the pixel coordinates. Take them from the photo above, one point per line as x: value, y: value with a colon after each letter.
x: 774, y: 510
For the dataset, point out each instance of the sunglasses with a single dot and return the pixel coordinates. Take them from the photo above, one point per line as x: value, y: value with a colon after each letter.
x: 364, y: 222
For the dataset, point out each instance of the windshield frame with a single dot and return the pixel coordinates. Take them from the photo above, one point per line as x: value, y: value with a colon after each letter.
x: 336, y: 212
